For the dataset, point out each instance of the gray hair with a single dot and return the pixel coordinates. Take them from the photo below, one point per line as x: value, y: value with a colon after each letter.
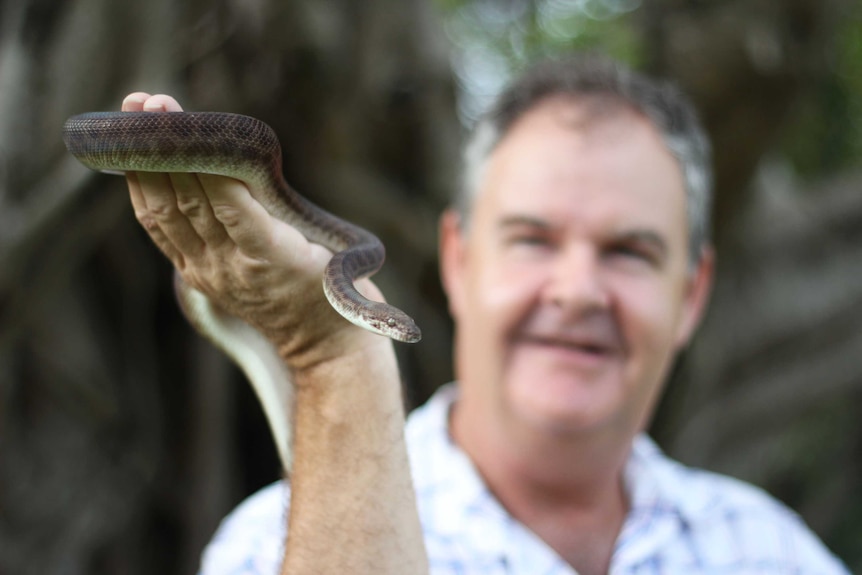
x: 591, y: 76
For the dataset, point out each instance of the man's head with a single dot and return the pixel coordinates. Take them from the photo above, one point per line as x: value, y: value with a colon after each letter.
x: 608, y: 87
x: 570, y: 268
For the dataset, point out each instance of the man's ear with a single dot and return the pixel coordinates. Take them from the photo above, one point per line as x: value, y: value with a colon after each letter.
x: 697, y: 296
x: 452, y: 259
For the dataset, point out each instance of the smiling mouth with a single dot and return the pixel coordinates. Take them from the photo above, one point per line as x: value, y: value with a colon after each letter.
x: 590, y: 348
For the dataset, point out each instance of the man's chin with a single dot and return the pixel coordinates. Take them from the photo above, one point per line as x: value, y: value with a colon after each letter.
x: 562, y: 407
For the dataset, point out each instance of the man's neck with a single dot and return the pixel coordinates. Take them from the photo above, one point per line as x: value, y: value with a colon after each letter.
x: 567, y: 490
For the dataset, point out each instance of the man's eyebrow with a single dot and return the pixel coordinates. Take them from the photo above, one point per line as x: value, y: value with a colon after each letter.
x: 519, y: 220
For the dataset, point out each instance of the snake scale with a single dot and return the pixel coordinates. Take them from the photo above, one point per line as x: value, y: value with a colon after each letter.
x: 246, y: 149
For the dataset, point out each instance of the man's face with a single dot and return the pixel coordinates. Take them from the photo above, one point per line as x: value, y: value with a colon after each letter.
x: 571, y: 287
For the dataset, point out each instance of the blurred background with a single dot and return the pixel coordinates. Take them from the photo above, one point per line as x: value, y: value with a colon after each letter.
x: 124, y: 439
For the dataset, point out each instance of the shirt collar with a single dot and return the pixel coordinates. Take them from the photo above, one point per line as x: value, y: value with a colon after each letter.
x: 659, y: 498
x: 652, y: 480
x: 455, y: 503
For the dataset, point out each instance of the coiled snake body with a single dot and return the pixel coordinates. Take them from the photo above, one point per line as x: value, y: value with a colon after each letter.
x: 248, y: 150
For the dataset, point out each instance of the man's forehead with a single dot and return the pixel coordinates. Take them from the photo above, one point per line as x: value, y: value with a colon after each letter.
x: 583, y: 112
x: 626, y: 178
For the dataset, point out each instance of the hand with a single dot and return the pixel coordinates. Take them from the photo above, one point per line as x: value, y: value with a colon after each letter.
x: 253, y: 266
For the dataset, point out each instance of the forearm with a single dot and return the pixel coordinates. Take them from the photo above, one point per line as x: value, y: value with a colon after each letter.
x: 353, y: 508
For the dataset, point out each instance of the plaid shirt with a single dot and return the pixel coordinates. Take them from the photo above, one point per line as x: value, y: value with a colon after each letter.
x: 680, y: 521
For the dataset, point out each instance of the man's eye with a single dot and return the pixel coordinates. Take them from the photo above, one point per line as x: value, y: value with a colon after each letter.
x: 635, y: 253
x: 629, y: 251
x: 533, y: 240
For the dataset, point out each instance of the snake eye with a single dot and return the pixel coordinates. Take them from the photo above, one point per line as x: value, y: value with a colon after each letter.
x: 391, y: 322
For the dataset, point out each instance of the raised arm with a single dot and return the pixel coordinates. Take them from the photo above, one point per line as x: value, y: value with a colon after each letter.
x: 352, y: 502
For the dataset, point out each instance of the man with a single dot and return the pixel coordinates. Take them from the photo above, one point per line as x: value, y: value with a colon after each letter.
x: 577, y: 266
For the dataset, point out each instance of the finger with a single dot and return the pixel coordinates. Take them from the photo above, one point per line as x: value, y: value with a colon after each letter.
x: 151, y: 225
x: 245, y: 220
x: 160, y: 210
x: 153, y: 196
x: 144, y: 102
x: 134, y: 102
x: 162, y: 103
x: 193, y: 203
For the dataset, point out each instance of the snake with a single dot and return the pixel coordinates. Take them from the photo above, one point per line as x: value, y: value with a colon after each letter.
x: 246, y: 149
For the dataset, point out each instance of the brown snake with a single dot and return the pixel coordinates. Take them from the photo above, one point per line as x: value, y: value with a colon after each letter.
x: 246, y: 149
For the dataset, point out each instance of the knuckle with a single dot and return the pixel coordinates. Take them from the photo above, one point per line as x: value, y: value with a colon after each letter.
x: 194, y: 279
x: 147, y: 221
x: 190, y: 206
x: 150, y: 222
x: 205, y: 279
x: 157, y: 212
x: 228, y: 215
x: 143, y: 216
x: 176, y: 258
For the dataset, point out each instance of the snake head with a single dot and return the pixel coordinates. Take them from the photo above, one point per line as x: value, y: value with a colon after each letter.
x: 377, y: 317
x: 391, y: 322
x: 407, y: 330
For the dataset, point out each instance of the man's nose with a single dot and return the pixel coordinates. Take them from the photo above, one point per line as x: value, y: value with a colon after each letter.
x: 576, y: 282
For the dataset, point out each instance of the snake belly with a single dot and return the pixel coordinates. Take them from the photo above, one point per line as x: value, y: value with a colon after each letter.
x: 246, y: 149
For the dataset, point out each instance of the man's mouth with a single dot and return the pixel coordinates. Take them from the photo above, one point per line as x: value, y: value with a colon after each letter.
x: 580, y: 345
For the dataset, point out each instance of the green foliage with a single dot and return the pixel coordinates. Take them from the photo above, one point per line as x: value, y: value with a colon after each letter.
x: 826, y: 134
x: 492, y: 40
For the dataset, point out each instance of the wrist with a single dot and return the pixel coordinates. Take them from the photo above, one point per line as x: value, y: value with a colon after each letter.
x: 341, y: 358
x: 321, y: 338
